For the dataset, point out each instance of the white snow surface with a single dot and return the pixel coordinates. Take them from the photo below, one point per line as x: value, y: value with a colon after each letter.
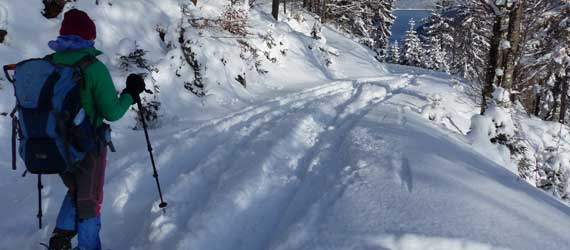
x: 310, y: 157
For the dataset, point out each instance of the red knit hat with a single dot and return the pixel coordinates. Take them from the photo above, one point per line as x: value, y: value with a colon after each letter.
x: 77, y: 22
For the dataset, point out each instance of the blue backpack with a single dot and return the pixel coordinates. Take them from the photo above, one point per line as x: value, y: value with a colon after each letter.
x: 54, y: 131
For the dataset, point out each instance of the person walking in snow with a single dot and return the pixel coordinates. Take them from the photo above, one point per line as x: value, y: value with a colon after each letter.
x: 80, y: 212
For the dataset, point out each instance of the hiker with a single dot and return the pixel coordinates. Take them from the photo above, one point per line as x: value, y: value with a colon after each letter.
x: 80, y: 211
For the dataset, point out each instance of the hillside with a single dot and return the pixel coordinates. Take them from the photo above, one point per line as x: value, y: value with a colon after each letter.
x: 328, y: 149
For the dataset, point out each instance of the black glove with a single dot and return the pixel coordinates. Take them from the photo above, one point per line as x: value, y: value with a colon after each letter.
x: 135, y: 86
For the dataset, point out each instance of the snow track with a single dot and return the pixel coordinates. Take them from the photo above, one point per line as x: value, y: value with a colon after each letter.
x: 308, y: 157
x: 276, y: 174
x: 350, y: 164
x: 280, y: 141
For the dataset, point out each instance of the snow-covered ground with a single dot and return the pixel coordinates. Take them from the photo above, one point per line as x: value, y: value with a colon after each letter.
x: 310, y: 157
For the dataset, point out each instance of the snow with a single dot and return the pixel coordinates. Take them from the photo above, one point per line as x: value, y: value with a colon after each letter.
x: 3, y: 17
x: 307, y: 156
x: 501, y: 95
x: 499, y: 72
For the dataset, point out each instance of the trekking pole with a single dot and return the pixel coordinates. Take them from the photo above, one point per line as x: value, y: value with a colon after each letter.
x: 40, y: 212
x: 8, y: 68
x: 149, y: 147
x: 14, y: 139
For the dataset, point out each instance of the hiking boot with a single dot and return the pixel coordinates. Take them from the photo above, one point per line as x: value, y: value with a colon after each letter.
x: 61, y: 239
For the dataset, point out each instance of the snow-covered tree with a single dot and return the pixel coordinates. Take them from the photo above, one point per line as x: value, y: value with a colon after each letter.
x: 439, y: 40
x: 473, y: 31
x: 382, y: 22
x: 395, y: 56
x: 544, y: 64
x: 316, y: 31
x: 435, y: 57
x: 369, y: 21
x: 413, y: 49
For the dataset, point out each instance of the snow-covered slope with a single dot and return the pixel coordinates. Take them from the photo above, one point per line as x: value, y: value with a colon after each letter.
x: 340, y: 158
x: 345, y: 165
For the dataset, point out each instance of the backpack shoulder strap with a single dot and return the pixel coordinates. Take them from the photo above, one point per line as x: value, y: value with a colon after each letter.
x: 49, y: 58
x: 82, y: 66
x: 85, y: 62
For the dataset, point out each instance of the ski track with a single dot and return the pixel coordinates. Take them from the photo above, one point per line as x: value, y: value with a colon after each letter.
x: 214, y: 197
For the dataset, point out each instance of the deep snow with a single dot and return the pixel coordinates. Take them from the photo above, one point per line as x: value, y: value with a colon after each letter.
x: 313, y: 157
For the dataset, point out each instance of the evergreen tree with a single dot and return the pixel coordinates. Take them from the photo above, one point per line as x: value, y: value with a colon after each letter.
x: 395, y: 56
x: 473, y: 26
x: 439, y: 37
x: 350, y: 16
x: 435, y: 57
x: 543, y: 64
x: 382, y: 23
x: 369, y: 21
x: 413, y: 50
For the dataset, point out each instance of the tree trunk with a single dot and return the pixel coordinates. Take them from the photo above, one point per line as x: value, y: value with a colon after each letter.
x: 556, y: 91
x: 305, y: 3
x: 496, y: 57
x: 284, y: 6
x: 315, y: 6
x: 488, y: 89
x: 537, y: 105
x: 514, y: 38
x: 324, y: 11
x: 275, y: 10
x: 537, y: 99
x: 563, y: 99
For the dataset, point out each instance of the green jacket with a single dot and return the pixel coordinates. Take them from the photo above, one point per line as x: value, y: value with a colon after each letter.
x: 99, y: 97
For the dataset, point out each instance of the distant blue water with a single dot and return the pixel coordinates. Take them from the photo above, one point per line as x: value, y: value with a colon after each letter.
x: 401, y: 24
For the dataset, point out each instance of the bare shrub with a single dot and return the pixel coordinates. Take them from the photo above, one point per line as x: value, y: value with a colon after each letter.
x: 52, y: 8
x: 234, y: 20
x: 3, y: 34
